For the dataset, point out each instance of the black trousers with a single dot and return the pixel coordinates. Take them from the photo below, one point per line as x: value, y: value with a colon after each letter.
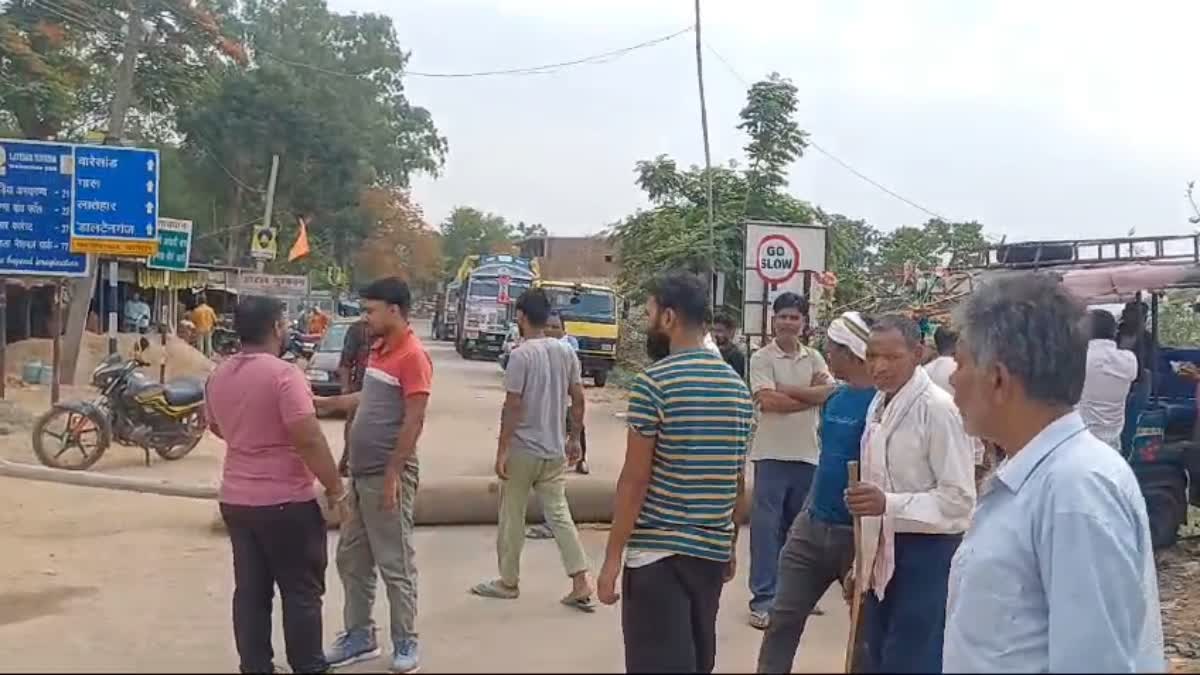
x: 669, y: 615
x: 280, y: 545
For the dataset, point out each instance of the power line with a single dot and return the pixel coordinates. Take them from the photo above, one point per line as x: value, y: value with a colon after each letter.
x: 838, y: 160
x: 543, y: 69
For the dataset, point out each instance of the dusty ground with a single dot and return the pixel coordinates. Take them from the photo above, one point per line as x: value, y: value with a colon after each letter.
x: 105, y: 581
x: 1178, y: 581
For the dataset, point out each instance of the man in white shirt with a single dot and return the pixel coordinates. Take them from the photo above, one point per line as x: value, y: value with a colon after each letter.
x: 915, y: 500
x: 942, y: 367
x: 1110, y: 372
x: 789, y: 381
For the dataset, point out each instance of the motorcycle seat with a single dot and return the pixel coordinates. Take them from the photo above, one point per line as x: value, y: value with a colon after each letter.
x: 183, y: 392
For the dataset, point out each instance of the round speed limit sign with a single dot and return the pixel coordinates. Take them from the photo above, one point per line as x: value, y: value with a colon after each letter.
x: 778, y: 259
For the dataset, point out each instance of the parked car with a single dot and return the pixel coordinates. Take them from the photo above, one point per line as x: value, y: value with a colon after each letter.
x: 323, y: 366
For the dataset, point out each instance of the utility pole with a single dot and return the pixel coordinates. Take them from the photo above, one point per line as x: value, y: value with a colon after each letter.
x: 708, y: 178
x: 82, y: 288
x: 260, y: 263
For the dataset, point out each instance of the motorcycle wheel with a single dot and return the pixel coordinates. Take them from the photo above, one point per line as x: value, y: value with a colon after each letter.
x: 73, y: 435
x: 195, y: 424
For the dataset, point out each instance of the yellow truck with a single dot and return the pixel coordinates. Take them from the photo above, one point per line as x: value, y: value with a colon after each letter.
x: 589, y: 314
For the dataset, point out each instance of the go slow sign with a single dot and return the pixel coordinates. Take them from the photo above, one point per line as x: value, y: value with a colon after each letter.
x: 778, y: 259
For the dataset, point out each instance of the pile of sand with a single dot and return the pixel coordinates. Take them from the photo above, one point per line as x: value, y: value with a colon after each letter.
x: 183, y: 360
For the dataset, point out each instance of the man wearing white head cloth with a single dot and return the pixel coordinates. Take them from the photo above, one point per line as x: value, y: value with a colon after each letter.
x: 820, y: 544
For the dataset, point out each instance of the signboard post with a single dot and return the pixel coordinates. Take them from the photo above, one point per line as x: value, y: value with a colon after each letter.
x: 35, y: 210
x: 115, y: 203
x: 291, y: 286
x: 779, y: 257
x: 174, y: 245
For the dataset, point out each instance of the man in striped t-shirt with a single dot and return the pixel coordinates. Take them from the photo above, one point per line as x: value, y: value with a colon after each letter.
x: 680, y: 494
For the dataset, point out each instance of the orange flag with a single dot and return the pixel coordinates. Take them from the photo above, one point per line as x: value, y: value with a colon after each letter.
x: 300, y: 248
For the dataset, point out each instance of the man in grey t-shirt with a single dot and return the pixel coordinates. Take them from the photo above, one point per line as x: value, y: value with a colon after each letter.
x: 542, y: 381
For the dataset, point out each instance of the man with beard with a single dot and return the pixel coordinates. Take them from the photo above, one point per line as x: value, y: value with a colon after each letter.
x: 542, y: 382
x: 681, y: 491
x: 790, y: 380
x: 1057, y: 571
x: 389, y: 416
x: 724, y: 330
x: 915, y: 500
x: 820, y: 545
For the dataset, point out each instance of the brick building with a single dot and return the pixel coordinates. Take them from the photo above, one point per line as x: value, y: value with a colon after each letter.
x: 585, y: 259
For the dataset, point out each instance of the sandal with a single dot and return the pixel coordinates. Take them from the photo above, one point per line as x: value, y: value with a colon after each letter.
x: 542, y: 531
x: 583, y: 603
x: 495, y: 589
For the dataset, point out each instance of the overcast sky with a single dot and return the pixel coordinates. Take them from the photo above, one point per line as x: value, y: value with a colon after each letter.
x: 1038, y: 119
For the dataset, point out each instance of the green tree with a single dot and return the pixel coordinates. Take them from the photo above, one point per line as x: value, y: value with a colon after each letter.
x: 57, y: 59
x: 469, y: 231
x: 673, y: 233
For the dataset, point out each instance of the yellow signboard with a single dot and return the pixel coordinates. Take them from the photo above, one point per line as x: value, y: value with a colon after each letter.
x: 115, y: 247
x: 264, y: 243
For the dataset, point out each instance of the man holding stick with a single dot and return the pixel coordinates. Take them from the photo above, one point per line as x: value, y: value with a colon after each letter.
x: 915, y: 500
x: 820, y: 546
x: 1057, y: 571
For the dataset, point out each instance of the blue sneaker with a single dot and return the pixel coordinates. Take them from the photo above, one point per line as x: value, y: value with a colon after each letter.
x: 405, y: 659
x: 352, y: 647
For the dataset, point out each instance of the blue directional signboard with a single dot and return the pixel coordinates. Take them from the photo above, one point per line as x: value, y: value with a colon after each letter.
x: 115, y: 208
x: 35, y: 210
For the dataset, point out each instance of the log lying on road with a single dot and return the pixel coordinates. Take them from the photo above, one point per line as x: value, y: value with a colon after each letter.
x: 106, y: 481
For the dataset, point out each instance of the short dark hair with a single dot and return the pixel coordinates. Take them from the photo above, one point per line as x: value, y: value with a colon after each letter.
x: 684, y: 292
x: 255, y: 318
x: 945, y: 340
x: 902, y: 324
x: 534, y: 304
x: 1102, y: 325
x: 724, y: 319
x: 392, y: 290
x: 790, y: 300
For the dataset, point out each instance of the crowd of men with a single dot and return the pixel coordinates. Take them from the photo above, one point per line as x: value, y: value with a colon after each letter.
x: 1044, y: 566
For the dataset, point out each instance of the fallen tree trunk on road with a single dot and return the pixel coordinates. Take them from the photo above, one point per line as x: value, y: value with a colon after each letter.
x: 106, y: 481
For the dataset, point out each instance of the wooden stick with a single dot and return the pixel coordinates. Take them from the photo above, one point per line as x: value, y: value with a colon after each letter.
x: 859, y: 581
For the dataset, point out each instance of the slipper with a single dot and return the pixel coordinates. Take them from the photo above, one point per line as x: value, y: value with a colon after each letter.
x: 583, y: 603
x: 496, y: 590
x: 542, y: 531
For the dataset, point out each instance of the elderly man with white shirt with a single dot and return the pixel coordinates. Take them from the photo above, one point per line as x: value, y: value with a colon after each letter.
x: 1110, y: 373
x: 915, y: 500
x: 1057, y: 571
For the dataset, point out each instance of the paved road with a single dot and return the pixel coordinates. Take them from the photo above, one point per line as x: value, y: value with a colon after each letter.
x: 103, y: 581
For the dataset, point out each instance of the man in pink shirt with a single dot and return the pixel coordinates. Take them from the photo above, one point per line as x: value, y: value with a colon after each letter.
x: 263, y: 409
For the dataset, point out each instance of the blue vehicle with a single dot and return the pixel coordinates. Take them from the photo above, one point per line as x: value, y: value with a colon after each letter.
x: 1160, y: 438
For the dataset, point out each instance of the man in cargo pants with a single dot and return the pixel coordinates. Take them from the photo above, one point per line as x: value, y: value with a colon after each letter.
x: 390, y: 411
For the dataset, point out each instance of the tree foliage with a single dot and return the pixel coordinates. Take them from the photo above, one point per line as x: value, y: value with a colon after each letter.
x: 400, y: 242
x: 469, y: 231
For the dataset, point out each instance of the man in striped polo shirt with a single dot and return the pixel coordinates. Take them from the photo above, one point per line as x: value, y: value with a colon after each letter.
x: 680, y: 494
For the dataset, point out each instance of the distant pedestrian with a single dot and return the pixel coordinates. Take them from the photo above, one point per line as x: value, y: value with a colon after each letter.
x: 263, y: 409
x: 555, y: 329
x: 1033, y: 587
x: 790, y: 381
x: 542, y: 382
x: 205, y: 320
x: 724, y: 330
x: 389, y: 413
x: 681, y: 491
x: 1110, y: 374
x: 942, y: 366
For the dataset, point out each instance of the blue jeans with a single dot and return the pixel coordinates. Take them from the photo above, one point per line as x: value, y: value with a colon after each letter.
x: 780, y: 490
x: 903, y: 632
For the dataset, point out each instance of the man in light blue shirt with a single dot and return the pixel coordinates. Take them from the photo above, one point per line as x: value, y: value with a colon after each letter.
x: 1056, y: 573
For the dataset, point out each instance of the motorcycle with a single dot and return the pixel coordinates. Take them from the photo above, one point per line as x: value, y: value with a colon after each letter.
x: 299, y: 345
x: 132, y: 410
x: 225, y: 341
